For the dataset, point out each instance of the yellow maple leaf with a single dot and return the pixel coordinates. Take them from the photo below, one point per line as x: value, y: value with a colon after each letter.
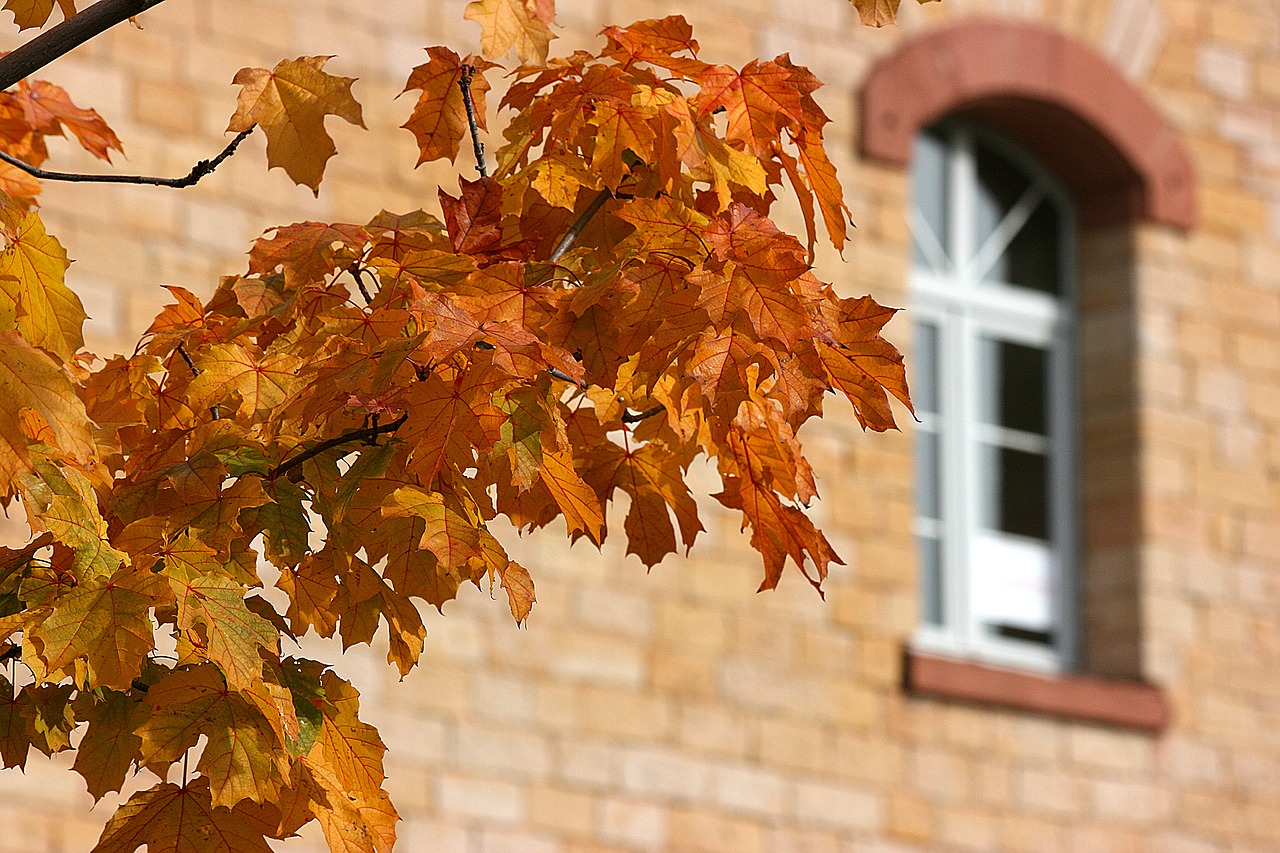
x: 289, y: 103
x: 511, y: 24
x: 30, y: 379
x: 34, y: 298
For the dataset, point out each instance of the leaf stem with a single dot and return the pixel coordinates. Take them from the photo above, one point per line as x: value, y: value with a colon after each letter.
x: 464, y: 83
x: 566, y: 242
x: 358, y: 274
x: 198, y: 171
x: 370, y: 433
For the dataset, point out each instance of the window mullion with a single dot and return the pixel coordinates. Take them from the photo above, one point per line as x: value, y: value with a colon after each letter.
x: 986, y: 256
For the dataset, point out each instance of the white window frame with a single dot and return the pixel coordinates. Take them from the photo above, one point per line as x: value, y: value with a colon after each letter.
x: 965, y: 306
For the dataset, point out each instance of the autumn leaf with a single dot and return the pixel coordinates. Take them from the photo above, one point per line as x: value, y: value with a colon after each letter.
x: 620, y: 128
x: 349, y: 750
x: 475, y: 217
x: 111, y: 744
x: 30, y: 379
x: 46, y: 312
x: 62, y: 500
x: 242, y: 757
x: 878, y: 13
x: 15, y: 738
x: 35, y: 13
x: 184, y: 820
x: 105, y: 624
x: 439, y: 119
x: 261, y: 382
x: 758, y: 99
x: 581, y: 507
x: 657, y: 41
x: 48, y: 109
x: 864, y: 365
x: 351, y: 821
x: 507, y: 25
x: 289, y: 103
x: 212, y: 605
x: 307, y: 251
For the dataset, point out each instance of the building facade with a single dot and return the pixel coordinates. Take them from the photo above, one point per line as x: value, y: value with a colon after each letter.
x: 1059, y: 628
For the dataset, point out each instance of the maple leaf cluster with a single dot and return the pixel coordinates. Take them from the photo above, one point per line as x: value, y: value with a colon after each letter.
x: 324, y: 443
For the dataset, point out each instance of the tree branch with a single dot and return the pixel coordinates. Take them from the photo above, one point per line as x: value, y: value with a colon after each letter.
x: 566, y: 242
x: 629, y: 417
x: 464, y: 83
x: 370, y: 433
x: 67, y: 36
x: 357, y: 272
x: 198, y: 171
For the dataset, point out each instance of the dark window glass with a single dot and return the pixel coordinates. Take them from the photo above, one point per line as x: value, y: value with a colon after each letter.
x: 1031, y: 260
x: 931, y: 580
x: 1000, y: 185
x: 1019, y: 376
x: 1027, y: 635
x: 1020, y: 488
x: 929, y: 189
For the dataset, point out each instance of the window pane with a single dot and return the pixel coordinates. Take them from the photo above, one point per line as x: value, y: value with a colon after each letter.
x: 1032, y: 259
x: 931, y: 580
x: 929, y: 191
x: 1000, y: 185
x: 924, y: 368
x: 1016, y: 493
x: 1017, y: 380
x: 928, y: 501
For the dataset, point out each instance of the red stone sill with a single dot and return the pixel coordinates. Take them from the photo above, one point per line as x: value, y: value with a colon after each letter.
x: 1128, y: 704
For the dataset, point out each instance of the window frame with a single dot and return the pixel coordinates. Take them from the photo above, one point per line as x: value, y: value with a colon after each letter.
x: 965, y: 305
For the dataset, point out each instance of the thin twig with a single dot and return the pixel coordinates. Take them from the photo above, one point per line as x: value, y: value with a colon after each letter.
x: 464, y: 83
x: 67, y: 36
x: 357, y: 274
x: 195, y: 371
x: 635, y: 417
x: 198, y: 171
x: 566, y: 242
x: 367, y: 434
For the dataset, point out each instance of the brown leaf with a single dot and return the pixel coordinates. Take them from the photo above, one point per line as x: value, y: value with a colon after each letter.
x: 439, y: 120
x: 289, y: 103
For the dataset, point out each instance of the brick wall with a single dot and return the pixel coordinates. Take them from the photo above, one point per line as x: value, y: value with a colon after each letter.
x: 677, y: 710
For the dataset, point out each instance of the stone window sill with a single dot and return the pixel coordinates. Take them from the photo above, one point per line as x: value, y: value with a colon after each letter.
x: 1127, y: 704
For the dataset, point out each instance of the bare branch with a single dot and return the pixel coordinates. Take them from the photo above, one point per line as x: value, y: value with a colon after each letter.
x: 566, y: 242
x: 67, y: 36
x: 464, y: 83
x: 369, y: 434
x: 198, y: 171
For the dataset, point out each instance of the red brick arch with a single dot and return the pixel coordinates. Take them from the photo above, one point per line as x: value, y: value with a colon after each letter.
x: 1056, y: 96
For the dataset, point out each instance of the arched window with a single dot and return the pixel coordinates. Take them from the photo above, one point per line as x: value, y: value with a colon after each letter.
x: 1032, y: 560
x: 992, y: 296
